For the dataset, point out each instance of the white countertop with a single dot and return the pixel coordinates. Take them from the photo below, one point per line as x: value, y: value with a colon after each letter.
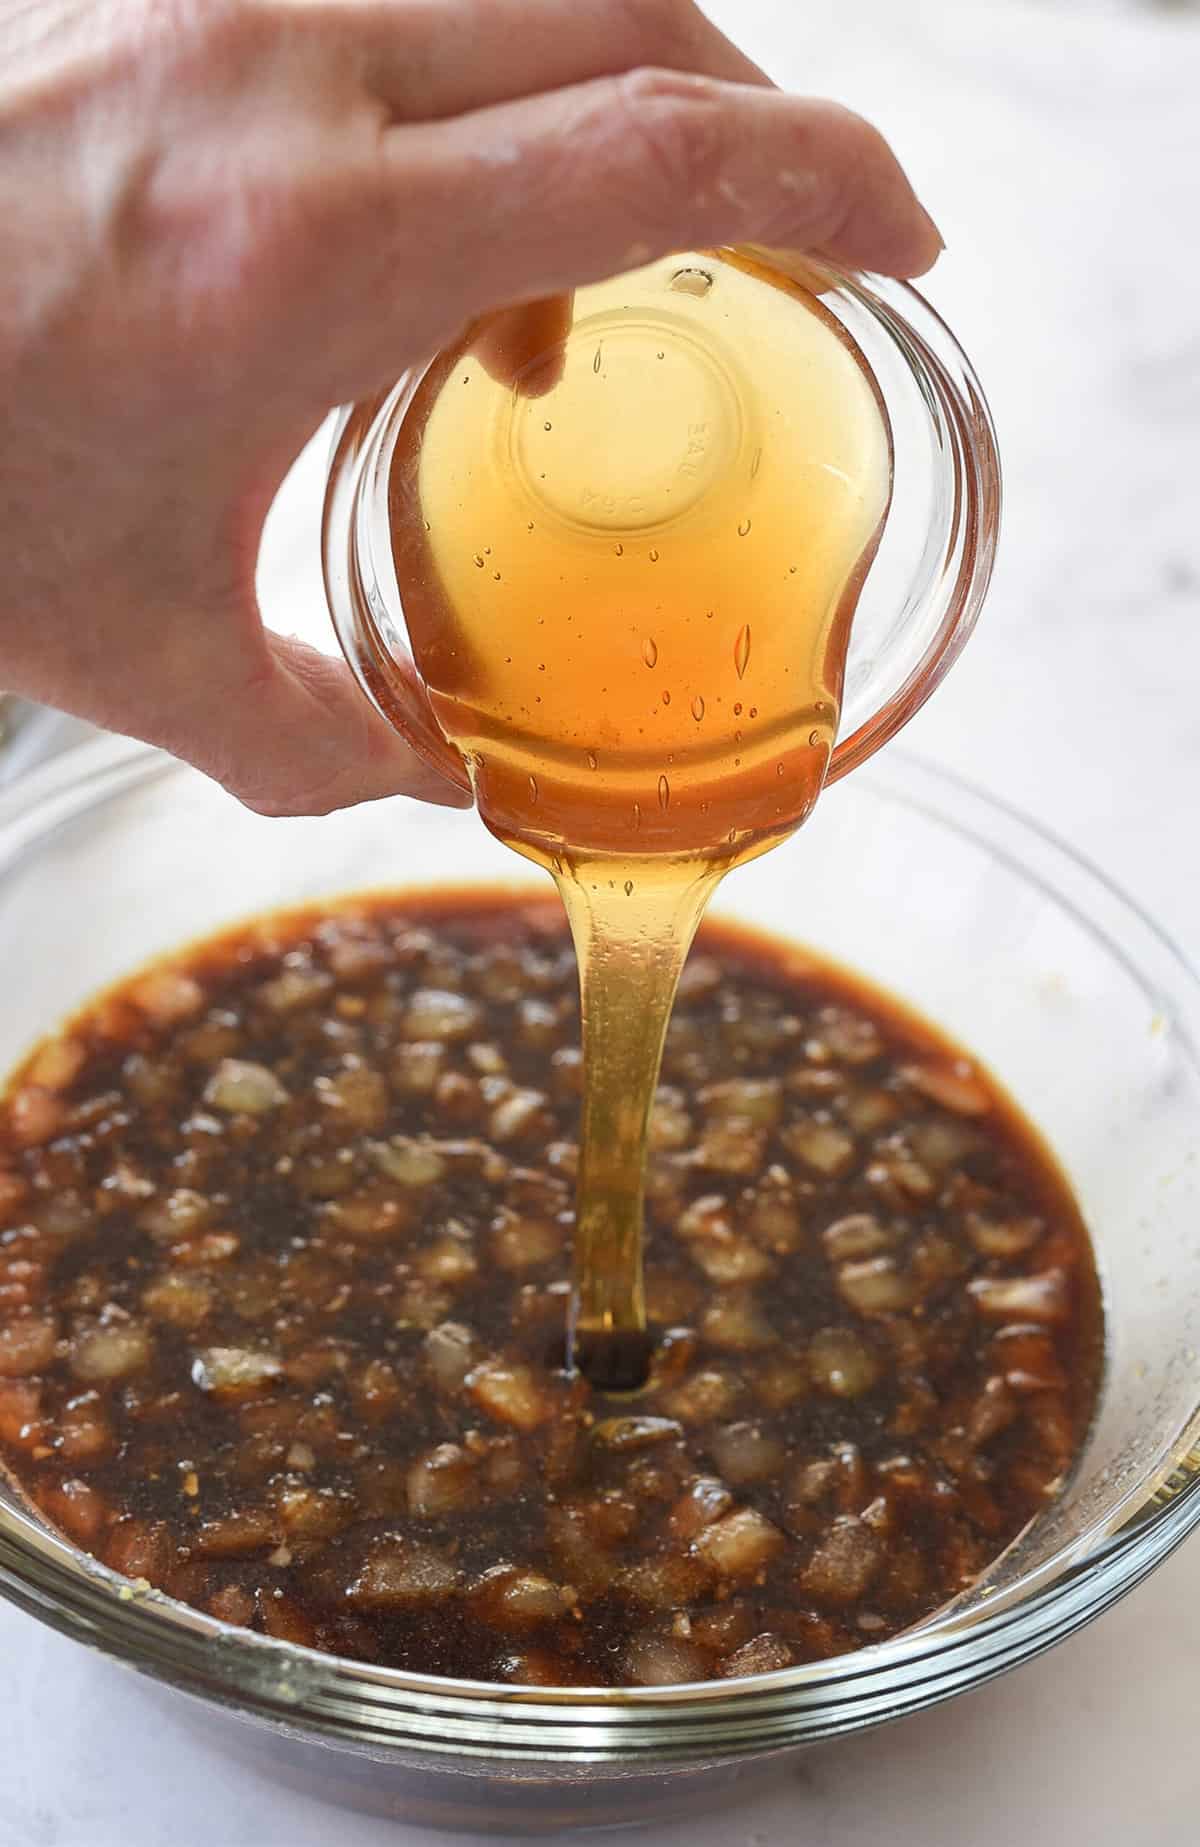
x: 1059, y: 146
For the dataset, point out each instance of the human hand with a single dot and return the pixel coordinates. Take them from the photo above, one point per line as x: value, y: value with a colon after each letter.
x: 219, y: 218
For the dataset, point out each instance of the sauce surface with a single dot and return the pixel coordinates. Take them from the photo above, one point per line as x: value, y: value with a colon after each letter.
x: 284, y: 1262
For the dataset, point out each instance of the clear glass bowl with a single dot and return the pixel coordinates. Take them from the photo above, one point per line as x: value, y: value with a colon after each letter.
x: 974, y: 915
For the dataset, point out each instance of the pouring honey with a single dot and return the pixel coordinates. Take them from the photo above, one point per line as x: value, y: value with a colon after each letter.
x: 628, y: 576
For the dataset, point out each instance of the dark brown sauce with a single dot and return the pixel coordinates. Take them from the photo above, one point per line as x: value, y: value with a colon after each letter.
x: 286, y: 1341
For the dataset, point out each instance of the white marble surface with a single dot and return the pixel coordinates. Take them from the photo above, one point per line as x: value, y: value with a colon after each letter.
x: 1059, y: 144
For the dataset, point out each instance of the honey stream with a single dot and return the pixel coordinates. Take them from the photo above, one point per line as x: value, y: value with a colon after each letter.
x: 628, y: 579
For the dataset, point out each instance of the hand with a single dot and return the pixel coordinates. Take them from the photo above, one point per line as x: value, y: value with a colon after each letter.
x: 219, y: 218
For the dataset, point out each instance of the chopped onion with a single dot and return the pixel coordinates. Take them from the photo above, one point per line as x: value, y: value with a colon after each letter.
x: 400, y: 1573
x: 955, y: 1087
x: 451, y: 1352
x: 762, y: 1654
x: 181, y: 1300
x: 631, y: 1433
x: 1042, y: 1297
x: 745, y: 1453
x: 28, y: 1345
x: 509, y: 1393
x: 115, y: 1351
x: 844, y: 1563
x: 738, y: 1322
x: 409, y: 1160
x: 57, y: 1063
x: 859, y: 1235
x: 444, y: 1480
x: 841, y: 1363
x: 510, y: 1598
x: 166, y: 996
x: 235, y: 1372
x: 705, y: 1500
x: 828, y: 1150
x: 243, y: 1088
x: 1004, y: 1238
x: 521, y: 1244
x: 436, y: 1013
x: 757, y: 1101
x: 740, y: 1544
x: 519, y: 1115
x: 653, y: 1660
x: 876, y: 1287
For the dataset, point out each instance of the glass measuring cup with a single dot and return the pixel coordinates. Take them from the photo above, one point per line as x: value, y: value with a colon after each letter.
x: 922, y: 594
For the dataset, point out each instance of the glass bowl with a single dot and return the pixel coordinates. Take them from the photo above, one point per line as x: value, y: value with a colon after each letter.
x: 969, y: 912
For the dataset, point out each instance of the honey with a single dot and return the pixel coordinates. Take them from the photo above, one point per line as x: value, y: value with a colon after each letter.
x: 628, y: 576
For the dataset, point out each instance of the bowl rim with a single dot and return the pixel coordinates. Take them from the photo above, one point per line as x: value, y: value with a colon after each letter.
x: 388, y: 1711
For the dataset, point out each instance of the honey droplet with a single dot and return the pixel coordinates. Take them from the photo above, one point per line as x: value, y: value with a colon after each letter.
x: 533, y: 789
x: 629, y: 888
x: 754, y: 711
x: 741, y: 650
x: 547, y: 426
x: 593, y: 760
x: 664, y: 792
x: 596, y: 360
x: 620, y: 550
x: 692, y: 282
x: 496, y: 575
x: 479, y: 561
x: 637, y: 816
x: 737, y: 710
x: 697, y: 708
x: 650, y: 651
x: 814, y: 738
x: 779, y: 769
x: 666, y: 698
x: 654, y: 554
x: 743, y: 529
x: 756, y: 464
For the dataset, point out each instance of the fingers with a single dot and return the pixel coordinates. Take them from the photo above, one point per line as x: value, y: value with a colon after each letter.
x: 279, y: 725
x: 303, y: 739
x: 532, y: 198
x: 507, y: 342
x: 429, y: 59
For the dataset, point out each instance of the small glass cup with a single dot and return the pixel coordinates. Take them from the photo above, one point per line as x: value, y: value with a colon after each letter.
x: 922, y: 594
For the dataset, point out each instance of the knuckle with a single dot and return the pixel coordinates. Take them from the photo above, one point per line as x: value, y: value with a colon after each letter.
x: 678, y: 130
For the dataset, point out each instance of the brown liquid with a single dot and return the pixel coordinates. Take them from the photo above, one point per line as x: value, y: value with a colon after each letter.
x: 628, y: 582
